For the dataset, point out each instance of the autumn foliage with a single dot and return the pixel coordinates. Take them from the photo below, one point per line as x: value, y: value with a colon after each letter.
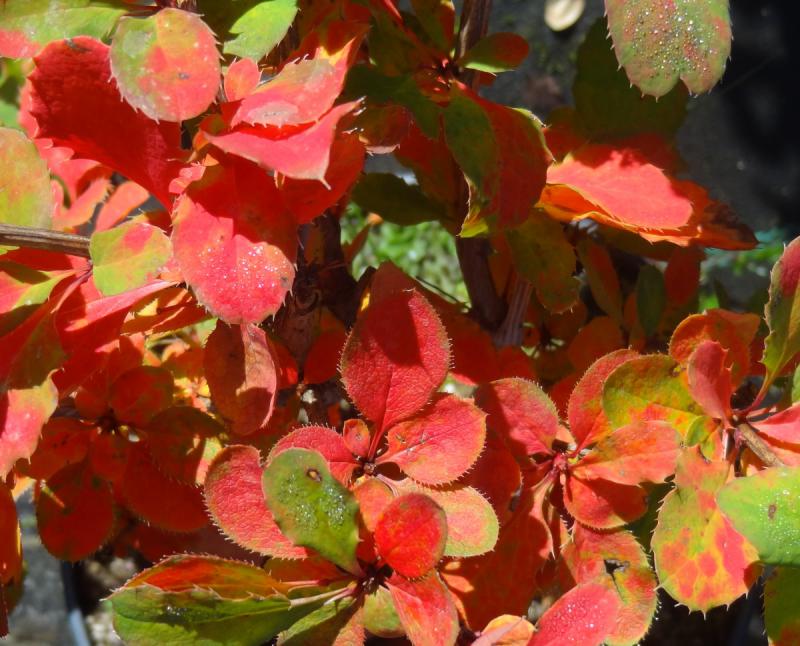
x: 189, y: 371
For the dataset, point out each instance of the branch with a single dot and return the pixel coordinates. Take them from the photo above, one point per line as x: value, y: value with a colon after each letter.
x: 473, y: 253
x: 753, y: 441
x: 33, y: 238
x: 510, y: 332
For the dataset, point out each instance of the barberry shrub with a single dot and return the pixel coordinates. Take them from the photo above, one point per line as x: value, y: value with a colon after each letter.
x: 190, y: 372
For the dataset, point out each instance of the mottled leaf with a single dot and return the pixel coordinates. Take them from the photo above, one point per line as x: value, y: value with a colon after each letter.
x: 187, y: 600
x: 234, y: 243
x: 28, y: 25
x: 23, y: 413
x: 236, y: 501
x: 657, y: 44
x: 127, y: 256
x: 166, y: 64
x: 26, y: 198
x: 439, y: 444
x: 653, y: 387
x: 411, y: 534
x: 325, y: 441
x: 495, y: 53
x: 395, y: 358
x: 338, y: 623
x: 425, y: 609
x: 311, y: 507
x: 763, y: 507
x: 710, y: 379
x: 700, y: 558
x: 602, y: 504
x: 70, y: 82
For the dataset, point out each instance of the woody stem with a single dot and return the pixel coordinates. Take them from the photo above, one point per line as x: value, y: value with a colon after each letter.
x: 33, y: 238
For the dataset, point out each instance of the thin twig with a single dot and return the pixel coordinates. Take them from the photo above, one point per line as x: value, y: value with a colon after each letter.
x: 33, y: 238
x: 749, y: 435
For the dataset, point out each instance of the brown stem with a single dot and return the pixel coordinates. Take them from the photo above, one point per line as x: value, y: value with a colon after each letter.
x: 753, y: 441
x: 33, y: 238
x: 510, y: 332
x: 473, y: 253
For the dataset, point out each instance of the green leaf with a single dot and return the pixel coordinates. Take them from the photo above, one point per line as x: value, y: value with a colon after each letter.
x: 249, y: 28
x: 128, y: 256
x: 658, y: 44
x: 28, y: 25
x: 322, y: 626
x: 653, y: 387
x: 495, y: 53
x: 365, y: 81
x: 543, y: 256
x: 310, y: 506
x: 783, y: 313
x: 651, y: 298
x: 600, y: 82
x: 394, y: 200
x: 764, y: 508
x: 25, y: 195
x: 470, y: 138
x: 204, y: 600
x: 781, y: 601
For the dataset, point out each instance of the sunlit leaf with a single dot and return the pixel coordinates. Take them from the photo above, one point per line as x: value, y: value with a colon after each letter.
x: 127, y: 256
x: 710, y: 379
x: 411, y: 534
x: 425, y: 609
x: 439, y: 444
x: 167, y: 64
x: 28, y: 25
x: 700, y: 558
x: 236, y: 501
x: 763, y: 508
x: 395, y: 358
x: 782, y: 312
x: 25, y: 195
x: 23, y: 414
x: 311, y: 507
x: 325, y: 441
x: 691, y: 42
x: 70, y: 82
x: 584, y: 615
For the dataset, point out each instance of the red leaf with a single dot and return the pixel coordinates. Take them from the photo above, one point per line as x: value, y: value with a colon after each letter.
x: 640, y: 452
x: 584, y: 616
x: 234, y: 497
x: 242, y: 77
x: 395, y: 358
x: 300, y: 93
x: 426, y: 610
x: 439, y: 444
x: 240, y: 368
x: 64, y: 441
x: 301, y: 155
x: 619, y: 185
x: 75, y: 512
x: 733, y: 331
x: 587, y: 559
x: 411, y: 534
x: 326, y: 442
x: 234, y: 242
x: 140, y: 394
x: 356, y: 436
x: 305, y: 199
x: 22, y: 415
x: 587, y: 421
x: 783, y: 426
x: 71, y: 83
x: 710, y: 379
x: 521, y: 413
x: 497, y: 475
x: 10, y: 540
x: 603, y: 504
x: 165, y: 503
